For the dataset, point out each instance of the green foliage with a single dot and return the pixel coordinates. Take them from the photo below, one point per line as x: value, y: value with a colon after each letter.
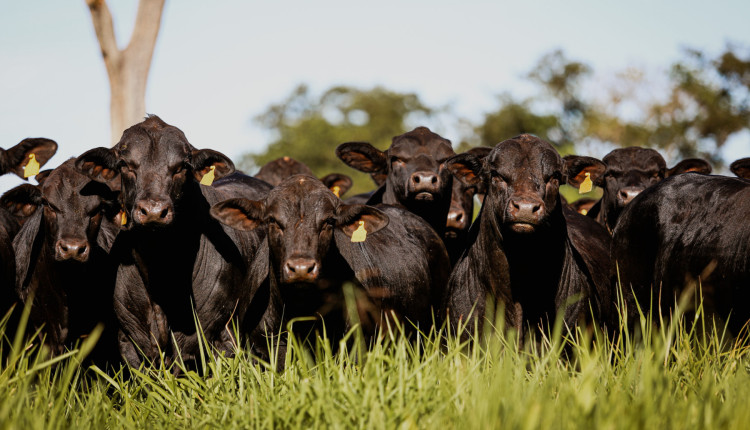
x: 675, y: 375
x: 708, y: 101
x: 309, y: 129
x: 555, y: 115
x: 513, y: 118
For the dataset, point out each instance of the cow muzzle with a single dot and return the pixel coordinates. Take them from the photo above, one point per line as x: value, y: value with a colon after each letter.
x: 524, y: 214
x: 153, y: 212
x: 72, y: 249
x: 457, y: 219
x: 627, y: 194
x: 300, y: 269
x: 424, y: 185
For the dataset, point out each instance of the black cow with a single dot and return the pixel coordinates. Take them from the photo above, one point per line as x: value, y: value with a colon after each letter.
x: 174, y: 260
x: 61, y: 257
x: 416, y: 178
x: 401, y: 262
x: 625, y: 172
x: 741, y: 167
x: 15, y: 160
x: 686, y: 230
x: 279, y: 169
x: 530, y: 253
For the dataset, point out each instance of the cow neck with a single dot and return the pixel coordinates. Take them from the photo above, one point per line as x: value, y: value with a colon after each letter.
x: 486, y: 256
x: 536, y: 263
x: 166, y: 255
x: 325, y: 296
x: 71, y: 294
x: 608, y: 215
x: 521, y: 268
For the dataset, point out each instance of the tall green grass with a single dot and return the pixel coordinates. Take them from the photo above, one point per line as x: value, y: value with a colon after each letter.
x: 674, y: 375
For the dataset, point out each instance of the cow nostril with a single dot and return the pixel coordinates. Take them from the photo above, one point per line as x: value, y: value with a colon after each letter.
x: 310, y: 268
x: 434, y: 179
x: 64, y: 248
x: 536, y: 208
x: 416, y: 179
x: 82, y: 250
x: 164, y: 213
x: 143, y: 211
x: 459, y: 217
x: 515, y: 204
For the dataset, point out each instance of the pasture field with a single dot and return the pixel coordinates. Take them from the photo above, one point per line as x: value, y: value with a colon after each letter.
x: 672, y: 376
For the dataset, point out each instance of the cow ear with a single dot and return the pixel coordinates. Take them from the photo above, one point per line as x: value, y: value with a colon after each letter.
x: 22, y: 201
x: 363, y: 157
x: 480, y: 151
x: 26, y: 246
x: 42, y: 176
x: 99, y: 164
x: 379, y: 178
x: 349, y: 217
x: 240, y: 214
x: 690, y: 165
x: 16, y: 158
x: 466, y: 167
x: 203, y: 159
x: 339, y: 184
x: 741, y: 167
x: 576, y: 167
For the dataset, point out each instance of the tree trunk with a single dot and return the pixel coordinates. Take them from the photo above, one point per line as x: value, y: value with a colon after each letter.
x: 128, y: 68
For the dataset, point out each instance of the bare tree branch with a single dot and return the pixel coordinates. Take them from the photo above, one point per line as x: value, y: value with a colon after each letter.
x: 140, y: 49
x: 128, y: 68
x: 105, y: 32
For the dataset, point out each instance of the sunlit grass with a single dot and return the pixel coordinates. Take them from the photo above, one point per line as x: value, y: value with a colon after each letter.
x: 672, y: 375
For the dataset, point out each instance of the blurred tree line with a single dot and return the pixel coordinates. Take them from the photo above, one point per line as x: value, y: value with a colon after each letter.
x: 704, y: 102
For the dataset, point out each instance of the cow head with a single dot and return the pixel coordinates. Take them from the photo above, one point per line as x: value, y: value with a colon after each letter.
x: 626, y: 172
x: 413, y: 165
x: 301, y: 215
x: 16, y: 158
x: 156, y: 165
x: 741, y: 167
x: 462, y: 201
x: 68, y: 209
x: 277, y: 170
x: 522, y: 177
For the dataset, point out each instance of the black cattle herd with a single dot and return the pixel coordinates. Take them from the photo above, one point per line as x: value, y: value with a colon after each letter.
x: 168, y: 247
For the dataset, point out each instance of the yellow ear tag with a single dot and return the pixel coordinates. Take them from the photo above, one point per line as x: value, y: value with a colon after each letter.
x: 360, y: 234
x: 32, y: 167
x: 586, y: 185
x: 584, y: 211
x: 336, y: 190
x: 208, y: 178
x: 124, y: 217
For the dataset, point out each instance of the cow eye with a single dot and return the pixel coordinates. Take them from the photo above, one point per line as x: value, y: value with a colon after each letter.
x: 125, y: 168
x: 273, y: 222
x: 179, y: 169
x: 52, y: 207
x: 395, y: 160
x: 497, y: 176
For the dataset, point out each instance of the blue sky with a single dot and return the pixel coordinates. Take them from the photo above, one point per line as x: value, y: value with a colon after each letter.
x: 218, y: 64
